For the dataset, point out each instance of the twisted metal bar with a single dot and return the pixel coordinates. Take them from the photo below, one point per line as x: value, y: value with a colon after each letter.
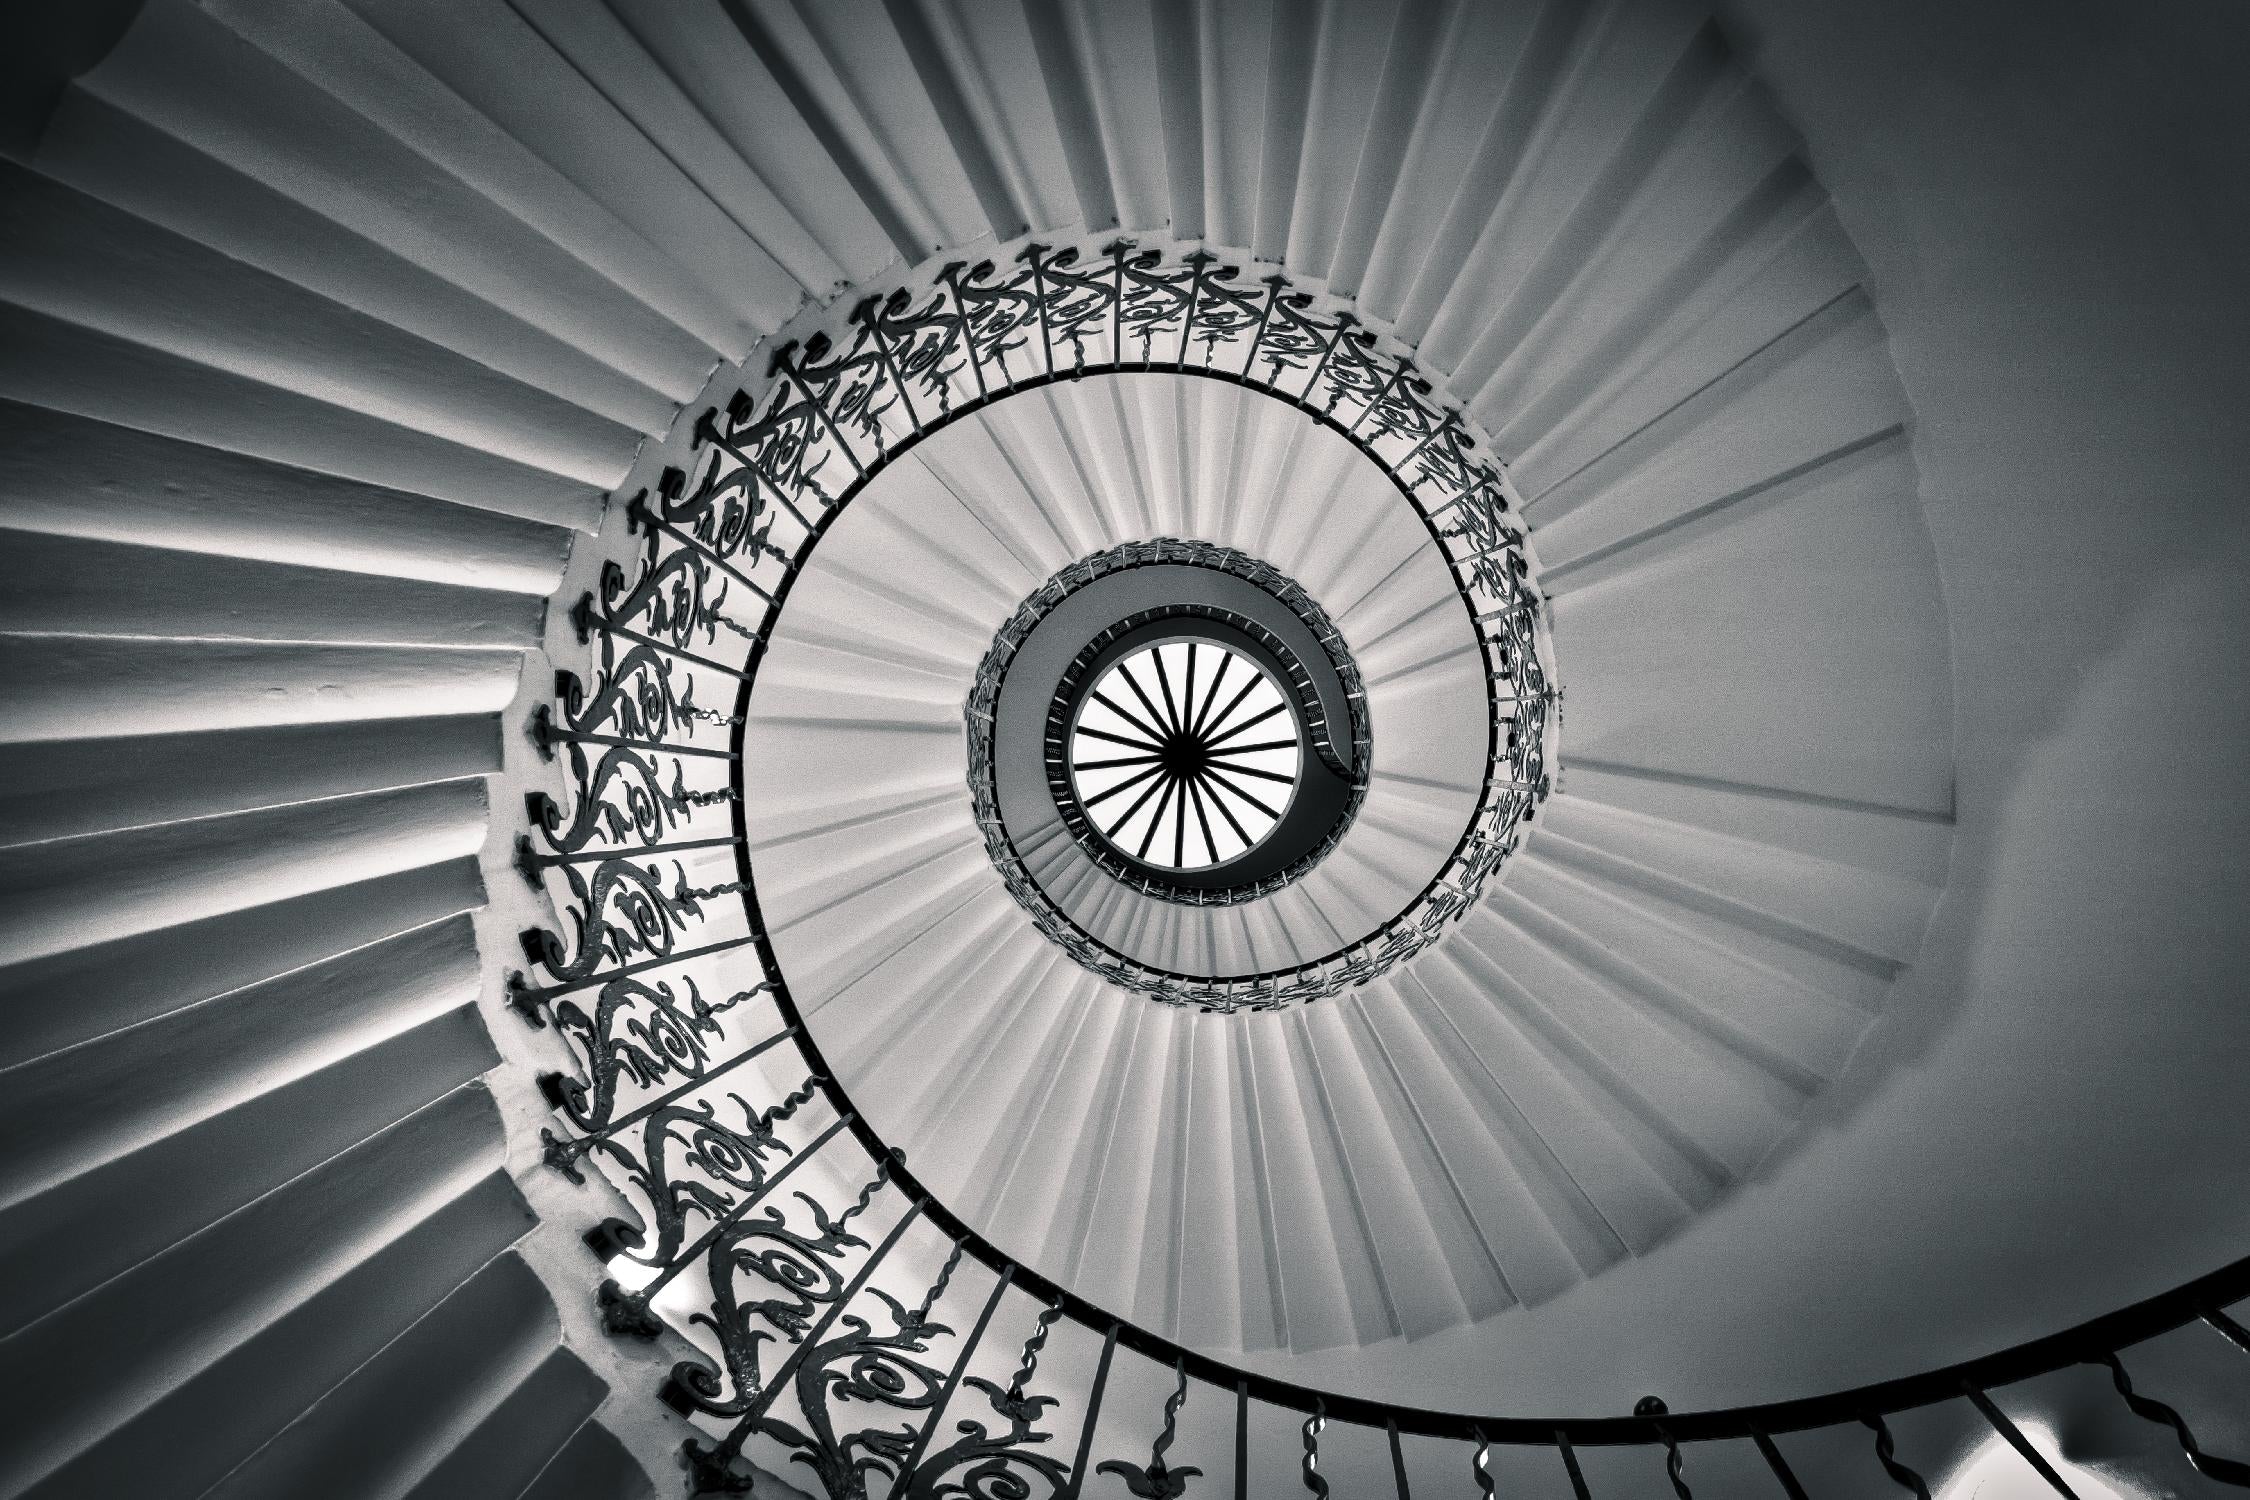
x: 923, y: 1309
x: 1481, y: 1464
x: 1172, y: 1405
x: 1032, y: 1345
x: 1315, y: 1481
x: 1887, y: 1453
x: 883, y: 1170
x: 1157, y: 1480
x: 2148, y: 1409
x: 952, y: 1383
x: 1675, y: 1468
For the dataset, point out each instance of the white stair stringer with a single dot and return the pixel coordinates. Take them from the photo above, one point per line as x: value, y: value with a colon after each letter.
x: 921, y: 571
x: 1631, y: 258
x: 328, y: 327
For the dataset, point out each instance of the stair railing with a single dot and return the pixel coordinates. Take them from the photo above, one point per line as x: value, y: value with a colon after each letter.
x: 842, y: 1320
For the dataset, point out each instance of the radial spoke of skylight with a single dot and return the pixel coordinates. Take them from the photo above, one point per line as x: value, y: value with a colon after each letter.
x: 1165, y: 761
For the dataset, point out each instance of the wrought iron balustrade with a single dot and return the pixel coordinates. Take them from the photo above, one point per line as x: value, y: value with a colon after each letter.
x: 845, y: 1326
x: 849, y: 1330
x: 723, y: 540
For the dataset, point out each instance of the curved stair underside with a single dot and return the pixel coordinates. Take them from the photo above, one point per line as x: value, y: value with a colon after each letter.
x: 325, y: 328
x: 1627, y: 1026
x: 859, y: 701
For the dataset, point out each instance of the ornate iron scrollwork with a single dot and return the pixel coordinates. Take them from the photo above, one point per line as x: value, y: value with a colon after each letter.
x: 665, y: 996
x: 771, y: 467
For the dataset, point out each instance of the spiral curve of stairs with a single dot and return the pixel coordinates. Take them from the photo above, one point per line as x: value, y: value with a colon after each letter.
x: 334, y: 337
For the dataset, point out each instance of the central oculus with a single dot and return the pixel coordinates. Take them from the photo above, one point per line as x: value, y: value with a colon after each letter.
x: 1185, y: 754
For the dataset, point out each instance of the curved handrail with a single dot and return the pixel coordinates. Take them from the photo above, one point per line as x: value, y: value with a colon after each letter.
x: 632, y: 734
x: 2076, y: 1345
x: 919, y: 361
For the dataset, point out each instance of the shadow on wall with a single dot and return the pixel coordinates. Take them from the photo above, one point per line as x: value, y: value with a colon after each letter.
x: 2070, y: 326
x: 2046, y: 1121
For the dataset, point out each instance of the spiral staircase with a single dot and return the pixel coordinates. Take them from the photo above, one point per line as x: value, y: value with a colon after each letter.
x: 540, y: 954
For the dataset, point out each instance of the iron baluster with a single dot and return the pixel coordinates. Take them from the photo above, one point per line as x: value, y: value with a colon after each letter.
x: 1117, y: 250
x: 622, y: 909
x: 806, y: 1271
x: 1334, y: 333
x: 1033, y: 1344
x: 548, y: 737
x: 1242, y: 1440
x: 1315, y: 1481
x: 868, y: 315
x: 1158, y: 1480
x: 523, y: 995
x: 1780, y: 1467
x: 622, y: 796
x: 635, y: 693
x: 1093, y: 1415
x: 1570, y: 1465
x: 1005, y: 1462
x: 689, y: 542
x: 2007, y: 1429
x: 784, y: 363
x: 1886, y: 1452
x: 950, y: 277
x: 529, y: 861
x: 1379, y: 401
x: 1031, y: 255
x: 2227, y: 1328
x: 1448, y: 421
x: 1197, y: 261
x: 659, y: 1038
x: 843, y: 1375
x: 587, y: 623
x: 952, y: 1382
x: 779, y: 437
x: 1674, y: 1466
x: 673, y: 586
x: 1398, y: 1462
x: 628, y: 1311
x: 1480, y: 1466
x: 707, y: 1462
x: 2209, y: 1465
x: 563, y: 1151
x: 1273, y: 286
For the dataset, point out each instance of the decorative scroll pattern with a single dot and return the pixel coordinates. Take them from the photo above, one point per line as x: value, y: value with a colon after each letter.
x: 1158, y: 1480
x: 654, y: 982
x: 2229, y: 1471
x: 862, y: 1375
x: 723, y: 536
x: 984, y: 1463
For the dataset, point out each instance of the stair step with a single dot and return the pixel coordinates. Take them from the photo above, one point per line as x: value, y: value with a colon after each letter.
x: 71, y: 476
x: 197, y: 1358
x: 75, y: 893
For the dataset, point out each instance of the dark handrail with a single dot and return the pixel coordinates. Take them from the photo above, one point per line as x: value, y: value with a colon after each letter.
x: 2087, y: 1341
x: 612, y: 957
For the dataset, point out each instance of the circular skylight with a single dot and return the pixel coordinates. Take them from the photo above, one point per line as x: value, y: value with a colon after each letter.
x: 1185, y: 754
